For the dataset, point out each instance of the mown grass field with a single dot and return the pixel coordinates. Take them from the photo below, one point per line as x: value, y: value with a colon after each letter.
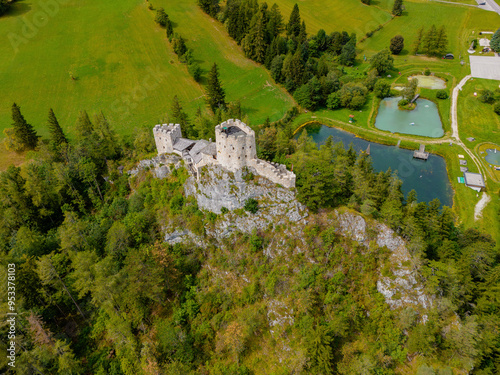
x: 122, y: 63
x: 477, y: 119
x: 242, y: 78
x: 349, y: 15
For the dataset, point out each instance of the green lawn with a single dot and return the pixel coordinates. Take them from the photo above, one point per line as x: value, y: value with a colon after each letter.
x: 242, y: 78
x: 477, y: 119
x: 349, y: 15
x: 122, y: 62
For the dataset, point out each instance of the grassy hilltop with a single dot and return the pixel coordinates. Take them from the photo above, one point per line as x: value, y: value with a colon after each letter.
x: 121, y: 64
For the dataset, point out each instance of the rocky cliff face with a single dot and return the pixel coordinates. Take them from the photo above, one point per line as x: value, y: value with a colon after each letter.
x: 401, y: 287
x: 217, y: 188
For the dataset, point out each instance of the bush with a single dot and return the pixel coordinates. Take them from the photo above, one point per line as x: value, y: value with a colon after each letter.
x: 403, y: 102
x: 333, y: 101
x: 441, y: 94
x: 161, y: 17
x: 496, y: 108
x: 487, y: 96
x: 382, y: 89
x: 224, y: 210
x: 427, y: 72
x: 397, y: 45
x: 195, y: 71
x: 251, y: 205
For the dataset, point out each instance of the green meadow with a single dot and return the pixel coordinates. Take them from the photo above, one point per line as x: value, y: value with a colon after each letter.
x: 242, y: 78
x: 111, y: 56
x: 349, y: 15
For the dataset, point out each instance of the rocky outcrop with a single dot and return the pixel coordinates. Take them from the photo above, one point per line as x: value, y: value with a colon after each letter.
x: 217, y: 188
x: 401, y: 287
x: 161, y: 166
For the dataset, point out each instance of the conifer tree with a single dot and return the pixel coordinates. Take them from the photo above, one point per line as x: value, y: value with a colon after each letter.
x: 397, y: 8
x: 430, y: 41
x: 418, y: 41
x: 293, y: 26
x: 495, y: 41
x: 23, y: 132
x: 254, y: 44
x: 180, y: 117
x: 441, y: 40
x: 83, y: 127
x: 215, y: 92
x: 56, y: 133
x: 348, y: 54
x: 275, y: 25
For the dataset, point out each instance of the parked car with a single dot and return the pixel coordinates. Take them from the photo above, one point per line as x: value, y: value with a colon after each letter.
x: 449, y: 56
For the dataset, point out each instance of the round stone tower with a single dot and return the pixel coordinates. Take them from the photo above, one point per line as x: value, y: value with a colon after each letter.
x: 235, y: 142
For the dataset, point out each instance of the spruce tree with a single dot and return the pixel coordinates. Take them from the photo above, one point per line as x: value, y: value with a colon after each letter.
x: 23, y: 132
x: 418, y: 41
x: 397, y: 8
x: 430, y: 41
x: 83, y: 127
x: 495, y: 41
x: 56, y: 133
x: 441, y: 40
x: 215, y: 92
x: 293, y: 26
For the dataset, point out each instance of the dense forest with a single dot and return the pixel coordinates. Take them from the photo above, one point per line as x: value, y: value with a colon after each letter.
x: 99, y: 291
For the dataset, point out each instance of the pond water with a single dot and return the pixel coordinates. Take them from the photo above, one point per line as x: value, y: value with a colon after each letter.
x: 428, y: 178
x: 430, y: 82
x: 493, y: 156
x: 424, y: 120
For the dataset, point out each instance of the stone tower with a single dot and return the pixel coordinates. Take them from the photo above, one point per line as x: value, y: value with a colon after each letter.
x: 235, y: 142
x: 165, y: 137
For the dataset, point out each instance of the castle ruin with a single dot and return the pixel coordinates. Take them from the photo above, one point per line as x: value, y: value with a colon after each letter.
x: 233, y: 149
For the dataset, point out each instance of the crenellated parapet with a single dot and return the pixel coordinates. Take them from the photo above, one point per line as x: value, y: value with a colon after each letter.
x: 165, y: 137
x: 234, y: 148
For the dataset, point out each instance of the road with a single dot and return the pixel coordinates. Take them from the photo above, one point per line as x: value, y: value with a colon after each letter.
x: 493, y: 5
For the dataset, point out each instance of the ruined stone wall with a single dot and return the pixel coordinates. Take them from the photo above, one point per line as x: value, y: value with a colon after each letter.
x: 165, y: 137
x: 274, y: 172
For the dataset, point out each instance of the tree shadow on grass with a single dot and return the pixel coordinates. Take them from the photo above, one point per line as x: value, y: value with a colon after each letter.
x: 18, y: 8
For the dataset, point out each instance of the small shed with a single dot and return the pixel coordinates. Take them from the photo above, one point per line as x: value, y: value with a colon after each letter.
x: 474, y: 180
x: 463, y: 162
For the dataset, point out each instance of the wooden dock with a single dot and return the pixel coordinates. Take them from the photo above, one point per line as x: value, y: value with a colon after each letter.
x: 420, y: 153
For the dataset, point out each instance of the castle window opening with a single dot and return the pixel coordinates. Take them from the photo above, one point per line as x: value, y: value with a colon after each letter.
x: 239, y: 158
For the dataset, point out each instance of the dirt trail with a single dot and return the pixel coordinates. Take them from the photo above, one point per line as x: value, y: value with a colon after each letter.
x: 478, y: 210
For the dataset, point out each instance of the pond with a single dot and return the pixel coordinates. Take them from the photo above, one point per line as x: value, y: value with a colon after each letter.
x: 493, y: 156
x: 424, y: 120
x: 428, y: 178
x: 430, y: 82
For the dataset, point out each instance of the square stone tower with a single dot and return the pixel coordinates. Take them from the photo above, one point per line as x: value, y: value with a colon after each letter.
x: 166, y: 136
x: 235, y: 143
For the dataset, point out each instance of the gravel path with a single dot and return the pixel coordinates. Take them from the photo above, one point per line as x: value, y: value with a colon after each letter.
x: 478, y: 210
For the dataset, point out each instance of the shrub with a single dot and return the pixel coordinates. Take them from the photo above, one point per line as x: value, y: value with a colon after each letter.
x: 397, y: 45
x: 487, y: 96
x: 161, y: 17
x: 333, y: 101
x: 496, y: 108
x: 403, y: 102
x: 382, y: 89
x: 224, y: 210
x: 441, y: 94
x: 427, y: 72
x: 251, y: 205
x: 195, y: 71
